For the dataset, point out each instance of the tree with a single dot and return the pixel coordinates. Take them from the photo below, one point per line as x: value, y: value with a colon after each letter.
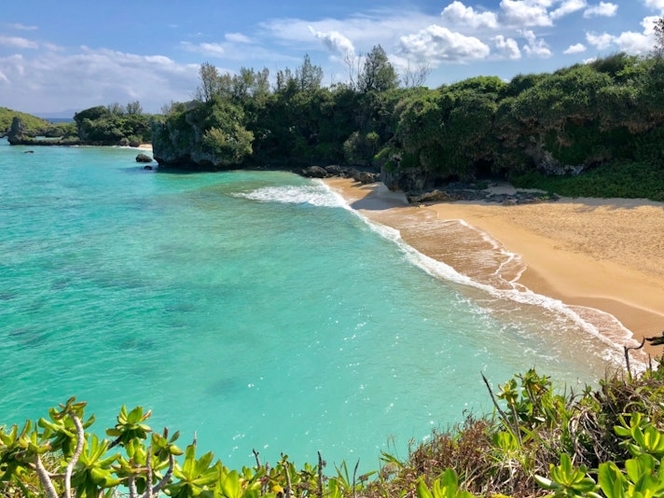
x: 116, y: 108
x: 415, y: 76
x: 242, y: 84
x: 286, y: 82
x: 134, y: 107
x: 353, y: 66
x: 659, y: 37
x: 378, y: 74
x: 172, y: 107
x: 262, y: 83
x: 309, y: 76
x: 249, y: 84
x: 209, y: 82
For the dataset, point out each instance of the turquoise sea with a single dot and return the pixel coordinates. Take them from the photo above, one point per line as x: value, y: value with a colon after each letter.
x: 254, y: 309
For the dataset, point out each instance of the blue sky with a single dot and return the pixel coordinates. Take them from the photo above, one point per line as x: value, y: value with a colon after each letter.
x: 59, y: 57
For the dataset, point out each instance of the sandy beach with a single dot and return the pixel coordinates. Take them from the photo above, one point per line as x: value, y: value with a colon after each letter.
x: 591, y: 254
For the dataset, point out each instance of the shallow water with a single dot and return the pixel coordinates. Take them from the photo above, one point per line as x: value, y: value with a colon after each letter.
x: 253, y: 308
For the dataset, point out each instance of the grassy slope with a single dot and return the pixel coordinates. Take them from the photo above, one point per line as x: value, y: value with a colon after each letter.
x: 32, y: 122
x: 631, y: 180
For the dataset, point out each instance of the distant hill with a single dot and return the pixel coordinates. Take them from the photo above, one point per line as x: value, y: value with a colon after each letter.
x: 32, y: 122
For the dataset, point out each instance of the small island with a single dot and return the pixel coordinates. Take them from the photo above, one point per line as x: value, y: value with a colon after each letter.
x: 113, y: 125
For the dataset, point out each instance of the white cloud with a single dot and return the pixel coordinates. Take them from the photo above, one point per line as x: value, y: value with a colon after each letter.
x: 534, y: 46
x: 628, y: 41
x: 458, y: 13
x: 211, y: 49
x: 237, y: 38
x: 17, y: 42
x: 437, y: 44
x: 335, y: 42
x: 634, y: 43
x: 602, y: 9
x: 648, y: 24
x: 568, y: 7
x: 52, y: 82
x: 377, y: 27
x: 525, y: 13
x: 52, y: 47
x: 238, y: 48
x: 600, y: 42
x: 508, y: 47
x: 22, y: 27
x: 655, y: 4
x: 575, y: 49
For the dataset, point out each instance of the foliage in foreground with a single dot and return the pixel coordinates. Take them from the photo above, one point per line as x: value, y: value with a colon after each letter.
x: 607, y: 441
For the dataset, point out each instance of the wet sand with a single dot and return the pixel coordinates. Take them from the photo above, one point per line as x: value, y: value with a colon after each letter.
x: 591, y: 254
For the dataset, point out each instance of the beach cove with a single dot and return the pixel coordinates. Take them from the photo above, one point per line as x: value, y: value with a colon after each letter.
x: 255, y: 309
x: 603, y: 258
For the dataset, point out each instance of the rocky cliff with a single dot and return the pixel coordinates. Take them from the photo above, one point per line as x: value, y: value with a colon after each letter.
x: 17, y: 131
x: 204, y: 136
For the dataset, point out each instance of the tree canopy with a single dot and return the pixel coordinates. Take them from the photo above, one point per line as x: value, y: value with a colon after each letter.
x: 378, y: 74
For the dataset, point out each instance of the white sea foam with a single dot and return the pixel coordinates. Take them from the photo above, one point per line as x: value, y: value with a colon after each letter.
x: 315, y: 195
x: 582, y: 317
x: 525, y: 296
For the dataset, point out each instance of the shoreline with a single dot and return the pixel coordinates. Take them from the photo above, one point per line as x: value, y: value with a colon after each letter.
x: 590, y: 254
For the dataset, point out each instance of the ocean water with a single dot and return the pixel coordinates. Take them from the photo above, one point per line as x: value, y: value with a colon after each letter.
x: 253, y: 309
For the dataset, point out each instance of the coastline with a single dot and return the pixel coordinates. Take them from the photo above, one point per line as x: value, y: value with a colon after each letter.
x: 590, y: 254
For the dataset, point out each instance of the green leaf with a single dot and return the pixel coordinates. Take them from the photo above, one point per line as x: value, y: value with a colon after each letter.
x: 230, y: 485
x: 449, y: 479
x: 423, y: 490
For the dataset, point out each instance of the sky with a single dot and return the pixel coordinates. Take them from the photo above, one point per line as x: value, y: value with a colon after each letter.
x: 57, y: 58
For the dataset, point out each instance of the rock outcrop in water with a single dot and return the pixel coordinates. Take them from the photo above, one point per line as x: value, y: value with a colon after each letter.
x: 18, y: 135
x: 334, y: 170
x: 17, y: 131
x: 202, y: 136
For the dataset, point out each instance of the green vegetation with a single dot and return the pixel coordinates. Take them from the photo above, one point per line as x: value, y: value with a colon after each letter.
x: 114, y: 125
x: 602, y: 442
x: 621, y: 179
x: 296, y: 122
x: 102, y: 125
x: 35, y: 125
x: 602, y: 119
x: 32, y: 126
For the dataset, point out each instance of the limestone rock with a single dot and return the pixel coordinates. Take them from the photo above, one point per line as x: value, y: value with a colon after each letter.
x: 549, y: 165
x: 365, y: 177
x: 17, y: 131
x: 405, y: 179
x: 432, y: 196
x: 314, y: 172
x: 334, y: 170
